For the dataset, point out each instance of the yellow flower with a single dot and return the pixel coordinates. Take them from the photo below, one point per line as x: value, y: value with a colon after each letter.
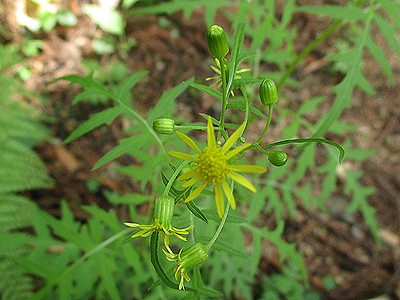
x: 213, y: 167
x: 163, y: 214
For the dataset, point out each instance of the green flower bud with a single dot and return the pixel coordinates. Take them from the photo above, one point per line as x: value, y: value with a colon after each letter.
x: 277, y: 157
x: 164, y: 211
x: 164, y: 126
x: 217, y: 42
x: 268, y: 92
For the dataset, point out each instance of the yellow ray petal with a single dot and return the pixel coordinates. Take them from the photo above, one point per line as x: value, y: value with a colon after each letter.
x: 196, y: 192
x: 219, y: 200
x: 247, y: 168
x: 191, y: 182
x: 239, y: 149
x: 133, y: 225
x: 183, y: 156
x: 232, y: 139
x: 188, y: 141
x: 242, y: 181
x: 228, y: 192
x: 188, y: 174
x: 210, y: 134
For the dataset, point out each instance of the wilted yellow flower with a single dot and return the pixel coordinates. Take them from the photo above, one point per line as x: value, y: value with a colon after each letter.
x: 187, y: 259
x: 212, y: 166
x: 163, y: 213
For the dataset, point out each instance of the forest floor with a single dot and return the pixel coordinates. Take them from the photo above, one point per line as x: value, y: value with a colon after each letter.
x: 345, y: 249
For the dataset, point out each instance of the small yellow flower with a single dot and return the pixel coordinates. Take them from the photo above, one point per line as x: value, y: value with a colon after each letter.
x: 163, y: 214
x: 213, y: 167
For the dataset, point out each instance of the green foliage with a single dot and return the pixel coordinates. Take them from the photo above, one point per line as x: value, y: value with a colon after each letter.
x: 287, y: 285
x: 186, y: 6
x: 20, y: 131
x: 77, y: 261
x: 94, y: 259
x: 20, y: 169
x: 144, y: 137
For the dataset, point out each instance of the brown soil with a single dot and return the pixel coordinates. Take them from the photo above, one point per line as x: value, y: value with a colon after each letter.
x: 331, y: 243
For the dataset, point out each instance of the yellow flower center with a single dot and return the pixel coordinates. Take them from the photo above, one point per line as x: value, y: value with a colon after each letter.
x: 212, y: 165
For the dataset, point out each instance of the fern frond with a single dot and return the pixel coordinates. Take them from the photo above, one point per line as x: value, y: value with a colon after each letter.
x: 21, y: 168
x: 15, y: 212
x: 14, y: 284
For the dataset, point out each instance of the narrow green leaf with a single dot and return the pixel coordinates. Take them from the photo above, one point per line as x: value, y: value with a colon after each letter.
x: 123, y: 91
x: 288, y: 10
x: 379, y: 55
x: 166, y: 104
x: 206, y: 89
x: 392, y: 8
x: 88, y: 82
x: 349, y: 12
x: 389, y: 33
x: 103, y: 117
x: 310, y: 105
x: 199, y: 285
x: 196, y: 211
x: 233, y: 62
x: 125, y: 145
x: 226, y: 247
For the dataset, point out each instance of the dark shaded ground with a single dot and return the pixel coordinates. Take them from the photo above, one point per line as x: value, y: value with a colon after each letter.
x: 331, y: 244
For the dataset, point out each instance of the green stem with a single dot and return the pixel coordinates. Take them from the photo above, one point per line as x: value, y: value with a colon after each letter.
x: 156, y: 262
x: 173, y: 177
x: 311, y: 140
x: 224, y: 96
x: 219, y: 229
x: 191, y: 127
x: 247, y: 106
x: 270, y: 110
x: 307, y: 50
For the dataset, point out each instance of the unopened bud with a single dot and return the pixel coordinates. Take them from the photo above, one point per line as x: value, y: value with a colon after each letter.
x: 164, y: 210
x: 268, y: 92
x: 164, y: 126
x: 217, y: 42
x: 277, y: 157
